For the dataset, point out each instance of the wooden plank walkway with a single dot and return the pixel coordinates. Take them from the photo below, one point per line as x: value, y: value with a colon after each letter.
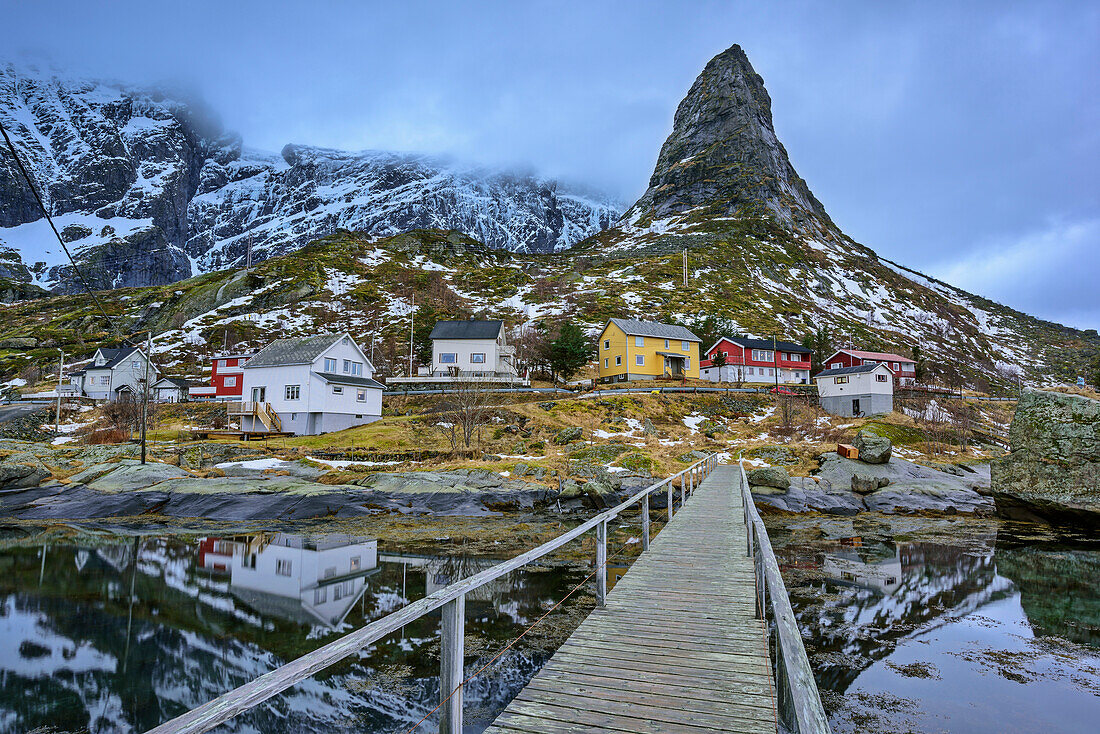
x: 677, y: 648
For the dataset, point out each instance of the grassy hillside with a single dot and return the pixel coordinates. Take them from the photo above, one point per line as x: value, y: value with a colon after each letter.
x: 750, y: 271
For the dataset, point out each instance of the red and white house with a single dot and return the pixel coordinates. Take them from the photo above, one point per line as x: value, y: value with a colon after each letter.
x: 904, y: 368
x: 757, y: 360
x: 226, y: 377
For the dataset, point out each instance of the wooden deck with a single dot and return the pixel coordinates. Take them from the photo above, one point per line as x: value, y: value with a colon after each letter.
x: 677, y: 648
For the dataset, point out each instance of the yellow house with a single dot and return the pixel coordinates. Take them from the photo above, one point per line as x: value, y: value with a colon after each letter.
x: 631, y: 349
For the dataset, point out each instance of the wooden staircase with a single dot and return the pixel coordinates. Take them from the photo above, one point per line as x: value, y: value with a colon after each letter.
x: 261, y: 411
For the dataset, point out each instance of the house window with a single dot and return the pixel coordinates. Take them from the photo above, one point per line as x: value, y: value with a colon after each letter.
x: 320, y: 596
x: 836, y: 365
x: 618, y: 360
x: 639, y: 341
x: 880, y: 378
x: 869, y: 362
x: 477, y: 357
x: 687, y: 363
x: 639, y: 359
x: 231, y: 381
x: 337, y: 592
x: 607, y: 344
x: 134, y: 365
x: 685, y: 346
x: 841, y: 380
x: 666, y: 343
x: 361, y: 396
x: 895, y: 366
x: 282, y: 567
x: 356, y: 563
x: 337, y: 390
x: 330, y: 364
x: 293, y: 392
x: 751, y: 371
x: 448, y: 358
x: 223, y: 362
x: 725, y: 354
x: 763, y: 355
x: 605, y: 361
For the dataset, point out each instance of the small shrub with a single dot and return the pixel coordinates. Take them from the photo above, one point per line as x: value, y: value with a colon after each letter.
x: 109, y: 435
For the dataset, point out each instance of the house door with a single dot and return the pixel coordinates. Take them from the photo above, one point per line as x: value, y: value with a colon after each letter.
x: 259, y: 394
x: 855, y: 408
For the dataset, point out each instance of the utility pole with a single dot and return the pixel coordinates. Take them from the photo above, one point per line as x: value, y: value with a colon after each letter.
x: 145, y: 393
x: 775, y: 361
x: 685, y: 267
x: 60, y: 377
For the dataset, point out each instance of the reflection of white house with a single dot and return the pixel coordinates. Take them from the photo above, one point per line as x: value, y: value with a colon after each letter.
x: 882, y: 575
x: 113, y: 374
x: 297, y: 578
x: 442, y: 571
x: 308, y: 385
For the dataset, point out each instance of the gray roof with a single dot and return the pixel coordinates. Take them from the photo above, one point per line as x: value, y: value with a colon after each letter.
x: 177, y: 381
x: 466, y: 329
x: 295, y: 350
x: 354, y: 380
x: 780, y: 346
x: 637, y: 327
x: 849, y: 370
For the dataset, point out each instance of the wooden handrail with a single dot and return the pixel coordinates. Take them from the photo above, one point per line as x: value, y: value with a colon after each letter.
x: 797, y: 697
x: 237, y: 701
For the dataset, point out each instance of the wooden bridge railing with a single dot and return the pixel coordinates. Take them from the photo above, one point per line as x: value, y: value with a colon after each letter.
x: 452, y: 599
x: 798, y: 701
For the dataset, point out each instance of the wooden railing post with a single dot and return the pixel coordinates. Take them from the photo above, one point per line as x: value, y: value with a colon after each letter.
x: 668, y: 488
x: 601, y: 563
x: 645, y: 523
x: 451, y: 654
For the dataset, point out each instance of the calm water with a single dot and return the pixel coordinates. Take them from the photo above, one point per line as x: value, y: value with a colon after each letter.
x: 936, y: 626
x: 121, y: 635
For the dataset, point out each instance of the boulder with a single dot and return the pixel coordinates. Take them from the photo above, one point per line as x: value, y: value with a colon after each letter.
x: 22, y: 470
x: 600, y: 493
x: 866, y: 485
x: 570, y: 490
x: 1053, y: 469
x: 873, y: 449
x: 567, y: 435
x: 770, y: 476
x: 648, y: 428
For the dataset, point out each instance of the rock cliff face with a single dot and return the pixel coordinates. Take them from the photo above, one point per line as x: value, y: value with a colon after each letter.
x: 723, y: 155
x: 148, y: 189
x: 1053, y: 469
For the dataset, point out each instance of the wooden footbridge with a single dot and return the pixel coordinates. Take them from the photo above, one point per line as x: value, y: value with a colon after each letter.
x: 698, y: 636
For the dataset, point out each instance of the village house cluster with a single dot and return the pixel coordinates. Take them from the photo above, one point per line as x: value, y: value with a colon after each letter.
x: 325, y: 382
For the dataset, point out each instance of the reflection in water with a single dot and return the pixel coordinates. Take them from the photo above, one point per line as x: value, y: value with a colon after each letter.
x: 927, y: 636
x: 120, y: 637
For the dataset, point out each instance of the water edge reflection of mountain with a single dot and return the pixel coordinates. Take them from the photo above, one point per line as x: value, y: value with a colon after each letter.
x: 993, y: 634
x: 120, y: 637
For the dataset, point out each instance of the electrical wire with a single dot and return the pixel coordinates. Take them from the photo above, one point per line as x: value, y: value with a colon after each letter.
x: 42, y: 206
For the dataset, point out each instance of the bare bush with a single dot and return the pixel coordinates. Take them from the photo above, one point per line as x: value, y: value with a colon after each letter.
x: 464, y: 408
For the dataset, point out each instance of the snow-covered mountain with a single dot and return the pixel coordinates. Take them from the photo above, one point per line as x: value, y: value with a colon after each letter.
x: 149, y: 189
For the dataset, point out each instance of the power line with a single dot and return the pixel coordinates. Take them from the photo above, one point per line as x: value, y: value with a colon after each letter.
x: 42, y: 206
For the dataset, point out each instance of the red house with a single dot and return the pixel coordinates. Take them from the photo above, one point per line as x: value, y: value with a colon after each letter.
x: 904, y: 368
x: 225, y: 377
x: 757, y: 360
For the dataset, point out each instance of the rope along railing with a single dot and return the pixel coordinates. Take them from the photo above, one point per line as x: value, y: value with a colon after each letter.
x: 798, y: 702
x: 452, y: 600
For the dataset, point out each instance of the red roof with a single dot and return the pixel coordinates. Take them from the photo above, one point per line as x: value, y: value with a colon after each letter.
x: 884, y: 356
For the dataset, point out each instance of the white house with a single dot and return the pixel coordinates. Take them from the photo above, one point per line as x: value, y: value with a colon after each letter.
x: 171, y: 390
x: 462, y: 349
x: 866, y: 389
x: 113, y: 374
x: 308, y: 385
x: 301, y: 578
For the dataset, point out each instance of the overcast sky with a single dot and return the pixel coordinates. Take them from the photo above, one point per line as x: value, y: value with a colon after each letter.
x: 960, y: 139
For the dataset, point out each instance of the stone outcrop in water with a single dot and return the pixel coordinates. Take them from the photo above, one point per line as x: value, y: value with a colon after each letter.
x: 899, y: 487
x: 1053, y: 470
